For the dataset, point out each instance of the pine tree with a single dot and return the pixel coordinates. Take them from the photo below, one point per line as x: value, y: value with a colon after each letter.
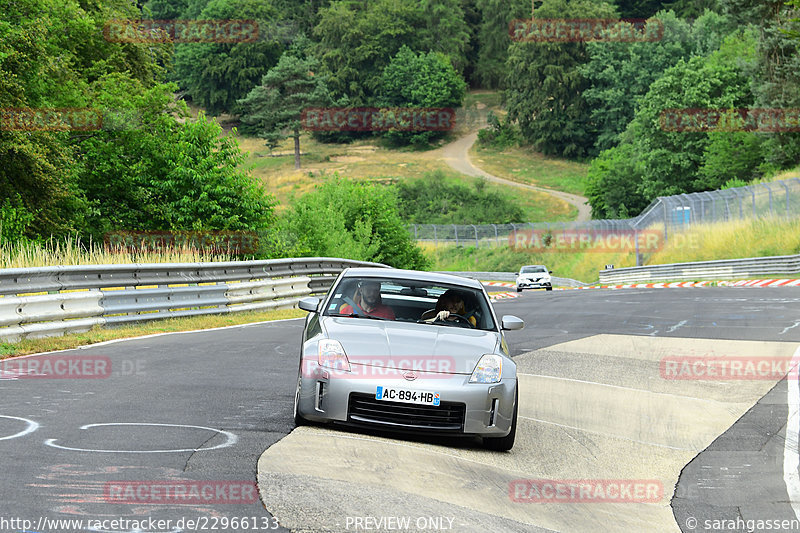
x: 273, y: 109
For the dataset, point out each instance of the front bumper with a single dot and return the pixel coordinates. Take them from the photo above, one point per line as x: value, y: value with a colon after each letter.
x: 533, y: 284
x: 481, y: 409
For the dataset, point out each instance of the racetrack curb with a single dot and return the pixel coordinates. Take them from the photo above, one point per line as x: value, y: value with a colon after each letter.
x: 663, y: 285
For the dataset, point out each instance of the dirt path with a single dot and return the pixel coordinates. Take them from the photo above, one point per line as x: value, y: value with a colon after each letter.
x: 456, y: 154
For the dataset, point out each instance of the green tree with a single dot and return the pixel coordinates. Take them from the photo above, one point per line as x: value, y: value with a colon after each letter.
x: 446, y: 31
x: 672, y: 159
x: 620, y: 74
x: 345, y: 218
x: 544, y: 85
x: 732, y: 155
x: 612, y: 183
x: 356, y: 41
x: 274, y: 108
x: 494, y: 38
x: 420, y: 80
x: 216, y: 75
x: 166, y: 173
x: 639, y: 9
x: 51, y: 55
x: 656, y: 158
x: 166, y: 9
x: 691, y: 8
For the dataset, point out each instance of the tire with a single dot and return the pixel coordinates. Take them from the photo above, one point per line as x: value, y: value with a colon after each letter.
x: 503, y: 444
x: 298, y: 418
x: 549, y: 288
x: 519, y: 290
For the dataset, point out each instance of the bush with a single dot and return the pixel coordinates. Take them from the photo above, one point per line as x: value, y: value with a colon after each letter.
x: 351, y: 220
x: 500, y: 134
x: 435, y: 199
x: 14, y: 220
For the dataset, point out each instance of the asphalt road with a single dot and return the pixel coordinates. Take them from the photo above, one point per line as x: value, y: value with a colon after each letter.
x: 202, y: 407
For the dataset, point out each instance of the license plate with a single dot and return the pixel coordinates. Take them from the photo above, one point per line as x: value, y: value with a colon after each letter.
x: 391, y: 394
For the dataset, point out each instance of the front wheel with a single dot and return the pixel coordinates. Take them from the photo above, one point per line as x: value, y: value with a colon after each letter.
x: 503, y: 444
x: 519, y: 290
x: 298, y: 418
x: 549, y: 288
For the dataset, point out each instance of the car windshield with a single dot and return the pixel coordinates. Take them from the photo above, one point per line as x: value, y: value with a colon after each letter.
x: 532, y: 270
x: 410, y: 301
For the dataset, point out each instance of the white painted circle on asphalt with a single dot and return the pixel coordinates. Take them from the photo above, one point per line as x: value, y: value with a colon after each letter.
x: 32, y: 426
x: 230, y: 439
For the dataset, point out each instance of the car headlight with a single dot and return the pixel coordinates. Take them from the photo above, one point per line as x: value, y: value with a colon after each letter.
x: 331, y: 355
x: 488, y: 369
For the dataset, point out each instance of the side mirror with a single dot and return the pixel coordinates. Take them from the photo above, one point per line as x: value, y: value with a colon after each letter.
x: 551, y: 271
x: 510, y: 322
x: 310, y: 304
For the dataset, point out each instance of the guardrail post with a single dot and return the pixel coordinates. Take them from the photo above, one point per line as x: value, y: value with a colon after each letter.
x: 476, y: 234
x: 496, y: 238
x: 786, y: 188
x: 769, y: 189
x: 638, y: 255
x: 435, y: 238
x: 455, y: 228
x: 666, y: 219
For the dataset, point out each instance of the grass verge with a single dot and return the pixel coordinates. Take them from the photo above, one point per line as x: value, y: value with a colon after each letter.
x: 523, y: 165
x: 98, y: 334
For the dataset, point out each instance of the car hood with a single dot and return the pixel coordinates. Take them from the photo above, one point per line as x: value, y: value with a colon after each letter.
x: 410, y: 346
x: 536, y: 275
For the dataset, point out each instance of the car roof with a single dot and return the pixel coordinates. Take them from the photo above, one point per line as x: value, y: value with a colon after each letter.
x: 526, y: 266
x: 415, y: 275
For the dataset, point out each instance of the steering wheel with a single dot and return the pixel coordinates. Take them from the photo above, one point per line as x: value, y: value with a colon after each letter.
x: 460, y: 318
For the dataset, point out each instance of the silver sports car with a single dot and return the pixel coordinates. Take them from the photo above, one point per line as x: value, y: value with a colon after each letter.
x: 408, y: 351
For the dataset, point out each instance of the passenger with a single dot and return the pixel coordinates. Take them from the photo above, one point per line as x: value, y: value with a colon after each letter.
x: 368, y: 301
x: 449, y: 302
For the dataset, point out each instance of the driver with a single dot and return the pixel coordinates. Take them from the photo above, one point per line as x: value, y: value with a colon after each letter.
x: 449, y: 303
x: 368, y: 300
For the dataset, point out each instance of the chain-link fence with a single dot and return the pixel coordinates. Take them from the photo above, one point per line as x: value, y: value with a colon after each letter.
x: 666, y: 213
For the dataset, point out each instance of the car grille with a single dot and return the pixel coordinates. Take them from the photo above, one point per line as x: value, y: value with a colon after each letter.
x: 447, y: 417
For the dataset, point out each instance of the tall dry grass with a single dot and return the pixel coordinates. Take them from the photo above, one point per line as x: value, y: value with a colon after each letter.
x: 734, y: 239
x: 74, y: 251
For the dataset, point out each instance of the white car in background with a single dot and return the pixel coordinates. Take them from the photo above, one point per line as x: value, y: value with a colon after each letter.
x: 534, y: 277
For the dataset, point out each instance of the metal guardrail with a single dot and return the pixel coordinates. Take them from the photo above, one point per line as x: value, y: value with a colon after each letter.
x: 669, y: 214
x: 718, y: 269
x: 51, y: 301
